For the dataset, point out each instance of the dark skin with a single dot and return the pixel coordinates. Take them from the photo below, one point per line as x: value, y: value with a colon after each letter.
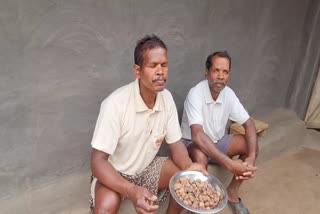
x: 244, y: 146
x: 111, y: 186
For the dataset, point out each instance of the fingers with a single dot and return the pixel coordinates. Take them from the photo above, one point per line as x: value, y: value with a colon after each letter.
x: 246, y: 175
x: 242, y: 178
x: 144, y: 206
x: 249, y: 166
x: 249, y: 170
x: 145, y: 202
x: 151, y: 197
x: 204, y: 171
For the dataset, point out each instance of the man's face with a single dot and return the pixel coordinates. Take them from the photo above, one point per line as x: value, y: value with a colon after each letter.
x: 153, y: 73
x: 218, y: 75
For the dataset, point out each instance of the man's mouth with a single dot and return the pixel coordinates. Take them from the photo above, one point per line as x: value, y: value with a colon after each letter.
x: 159, y: 81
x: 219, y: 84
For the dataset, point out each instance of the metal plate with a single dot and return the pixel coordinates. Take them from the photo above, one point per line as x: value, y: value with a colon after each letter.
x: 198, y: 175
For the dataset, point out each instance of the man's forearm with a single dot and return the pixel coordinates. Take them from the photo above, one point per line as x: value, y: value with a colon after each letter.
x: 180, y: 155
x: 207, y: 146
x: 251, y: 138
x: 252, y: 145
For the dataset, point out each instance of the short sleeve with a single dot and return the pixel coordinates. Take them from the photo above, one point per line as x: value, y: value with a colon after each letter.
x: 107, y: 130
x: 193, y: 107
x: 238, y: 113
x: 173, y: 128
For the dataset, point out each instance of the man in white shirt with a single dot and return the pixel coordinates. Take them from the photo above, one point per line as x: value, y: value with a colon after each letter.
x: 132, y: 124
x: 207, y: 109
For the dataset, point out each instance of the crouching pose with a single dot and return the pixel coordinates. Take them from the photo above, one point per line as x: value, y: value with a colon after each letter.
x: 207, y: 109
x: 133, y: 122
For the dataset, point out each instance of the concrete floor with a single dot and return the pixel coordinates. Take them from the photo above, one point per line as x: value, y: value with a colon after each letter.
x: 287, y: 184
x: 287, y: 181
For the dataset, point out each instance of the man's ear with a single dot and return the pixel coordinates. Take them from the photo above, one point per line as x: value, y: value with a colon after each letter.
x: 206, y: 73
x: 136, y: 71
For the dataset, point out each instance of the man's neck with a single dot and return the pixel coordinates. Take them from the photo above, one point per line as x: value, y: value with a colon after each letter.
x: 214, y: 95
x: 149, y: 99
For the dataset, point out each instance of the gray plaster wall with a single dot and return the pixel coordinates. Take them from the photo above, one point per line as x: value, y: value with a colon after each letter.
x: 308, y: 62
x: 60, y: 59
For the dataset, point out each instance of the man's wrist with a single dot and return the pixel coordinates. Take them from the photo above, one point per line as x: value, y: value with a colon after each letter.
x: 187, y: 165
x: 252, y: 156
x: 228, y: 163
x: 128, y: 188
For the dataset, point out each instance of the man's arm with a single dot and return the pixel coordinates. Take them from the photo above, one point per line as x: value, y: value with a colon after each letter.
x: 109, y: 177
x: 251, y: 139
x: 208, y: 147
x: 181, y: 158
x: 180, y: 155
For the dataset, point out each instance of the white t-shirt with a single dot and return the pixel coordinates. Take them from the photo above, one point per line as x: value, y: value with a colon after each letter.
x: 200, y: 108
x: 131, y: 132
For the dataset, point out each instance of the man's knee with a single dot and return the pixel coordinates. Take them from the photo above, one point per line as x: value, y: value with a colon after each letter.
x: 247, y: 148
x: 106, y: 206
x: 106, y: 200
x: 197, y: 155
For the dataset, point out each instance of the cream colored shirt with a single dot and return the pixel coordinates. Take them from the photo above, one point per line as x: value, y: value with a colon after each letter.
x: 131, y: 132
x: 200, y: 108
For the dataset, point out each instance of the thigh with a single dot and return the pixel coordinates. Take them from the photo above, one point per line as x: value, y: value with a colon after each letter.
x: 168, y: 169
x: 238, y: 146
x: 106, y: 199
x: 197, y: 155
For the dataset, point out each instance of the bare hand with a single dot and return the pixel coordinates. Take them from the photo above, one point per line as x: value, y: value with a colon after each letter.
x: 250, y: 160
x: 143, y: 200
x: 198, y: 167
x: 243, y: 170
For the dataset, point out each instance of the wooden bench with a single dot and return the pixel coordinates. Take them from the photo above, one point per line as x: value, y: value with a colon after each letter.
x: 261, y: 127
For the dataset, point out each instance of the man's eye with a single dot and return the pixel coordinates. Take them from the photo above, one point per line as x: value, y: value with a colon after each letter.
x: 164, y: 65
x: 152, y: 65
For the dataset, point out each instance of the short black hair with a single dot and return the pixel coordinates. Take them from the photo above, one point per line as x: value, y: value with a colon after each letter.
x: 146, y: 43
x: 223, y: 54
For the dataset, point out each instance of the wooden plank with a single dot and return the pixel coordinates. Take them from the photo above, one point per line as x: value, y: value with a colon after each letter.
x: 261, y: 127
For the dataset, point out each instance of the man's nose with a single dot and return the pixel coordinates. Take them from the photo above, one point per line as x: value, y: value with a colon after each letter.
x: 160, y: 70
x: 220, y: 75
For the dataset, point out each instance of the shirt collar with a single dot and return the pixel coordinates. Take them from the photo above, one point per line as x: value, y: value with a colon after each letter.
x: 208, y: 96
x: 140, y: 105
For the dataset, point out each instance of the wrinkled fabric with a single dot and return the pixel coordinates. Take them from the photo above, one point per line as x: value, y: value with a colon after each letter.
x: 312, y: 118
x: 148, y: 178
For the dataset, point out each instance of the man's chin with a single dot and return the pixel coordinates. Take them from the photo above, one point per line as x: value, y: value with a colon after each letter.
x: 160, y: 88
x: 219, y: 89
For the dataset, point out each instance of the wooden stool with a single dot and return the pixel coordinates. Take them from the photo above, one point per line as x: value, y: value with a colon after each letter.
x: 261, y: 127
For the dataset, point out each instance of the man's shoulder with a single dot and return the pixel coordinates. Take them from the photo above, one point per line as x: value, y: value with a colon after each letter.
x: 119, y: 95
x: 229, y: 92
x: 166, y: 93
x: 200, y: 85
x: 166, y: 96
x: 229, y: 97
x: 198, y: 89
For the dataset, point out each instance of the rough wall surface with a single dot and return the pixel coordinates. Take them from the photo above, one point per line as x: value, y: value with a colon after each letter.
x: 307, y: 64
x: 60, y: 59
